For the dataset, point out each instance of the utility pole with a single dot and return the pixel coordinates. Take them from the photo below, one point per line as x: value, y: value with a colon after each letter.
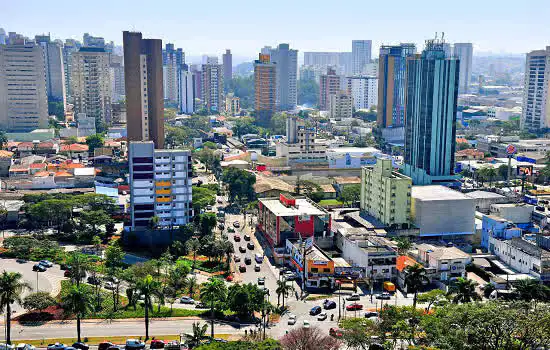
x: 339, y: 294
x: 303, y: 268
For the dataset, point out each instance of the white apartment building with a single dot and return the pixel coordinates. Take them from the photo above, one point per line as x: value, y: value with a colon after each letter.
x: 117, y: 78
x: 286, y: 64
x: 212, y: 87
x: 301, y: 145
x: 364, y: 91
x: 170, y: 79
x: 536, y: 92
x: 91, y: 83
x: 187, y: 92
x: 23, y: 99
x: 464, y: 52
x: 160, y: 186
x: 341, y: 106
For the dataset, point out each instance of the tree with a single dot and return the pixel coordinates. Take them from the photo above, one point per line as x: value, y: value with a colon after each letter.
x: 309, y: 339
x: 358, y: 332
x: 56, y: 108
x: 240, y: 184
x: 192, y: 246
x: 114, y: 256
x: 308, y: 92
x: 403, y: 245
x: 80, y: 265
x: 96, y: 241
x: 350, y: 194
x: 191, y: 285
x: 283, y: 289
x: 464, y: 291
x: 531, y: 290
x: 244, y: 299
x: 202, y: 197
x: 77, y: 302
x: 147, y: 287
x: 306, y: 187
x: 3, y: 139
x: 38, y: 301
x: 503, y: 171
x: 228, y: 249
x: 91, y: 221
x: 415, y: 278
x: 433, y: 297
x: 198, y: 333
x: 213, y: 293
x: 94, y: 141
x: 244, y: 126
x: 487, y: 173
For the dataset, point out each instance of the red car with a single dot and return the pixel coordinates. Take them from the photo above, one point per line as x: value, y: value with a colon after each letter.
x: 229, y: 278
x: 354, y: 306
x: 157, y: 344
x: 237, y: 238
x: 335, y: 332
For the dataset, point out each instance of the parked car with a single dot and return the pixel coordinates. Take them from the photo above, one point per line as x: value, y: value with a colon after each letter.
x: 354, y: 306
x: 23, y: 346
x: 104, y: 345
x: 221, y: 226
x: 290, y: 276
x: 335, y: 332
x: 236, y: 224
x: 329, y: 304
x: 236, y: 258
x: 250, y: 245
x: 237, y: 238
x: 39, y: 268
x: 208, y: 207
x: 230, y: 230
x: 201, y: 305
x: 46, y: 263
x: 261, y: 281
x: 322, y: 316
x: 220, y: 201
x: 134, y: 344
x: 246, y: 237
x: 56, y: 346
x: 187, y: 300
x: 156, y: 344
x: 64, y: 267
x: 229, y: 278
x: 93, y: 280
x: 81, y: 346
x: 242, y: 268
x: 110, y: 285
x: 115, y: 347
x: 353, y: 297
x: 247, y: 260
x: 259, y: 258
x: 384, y: 296
x: 306, y: 324
x: 291, y: 319
x: 21, y: 261
x: 4, y: 346
x: 316, y: 310
x: 67, y: 273
x: 257, y: 268
x: 242, y: 249
x: 370, y: 314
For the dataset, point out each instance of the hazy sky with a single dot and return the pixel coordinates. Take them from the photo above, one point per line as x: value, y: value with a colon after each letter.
x: 211, y: 26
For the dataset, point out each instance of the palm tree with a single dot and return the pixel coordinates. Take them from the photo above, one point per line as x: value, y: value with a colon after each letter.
x: 11, y: 288
x: 147, y: 287
x: 283, y: 289
x: 487, y: 173
x: 77, y: 302
x: 213, y: 292
x: 464, y: 291
x: 528, y: 290
x: 80, y: 264
x: 415, y: 278
x: 193, y: 245
x: 403, y: 245
x: 228, y: 249
x: 198, y: 333
x: 191, y: 285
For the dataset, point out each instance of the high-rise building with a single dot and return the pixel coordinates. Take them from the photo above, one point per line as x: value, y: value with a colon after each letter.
x: 212, y: 87
x: 364, y: 91
x: 464, y: 52
x: 172, y: 64
x: 55, y: 72
x: 329, y: 85
x: 91, y: 84
x: 3, y: 37
x: 187, y: 92
x: 93, y: 41
x: 361, y: 51
x: 386, y: 194
x: 265, y: 89
x: 23, y: 99
x: 227, y: 65
x: 69, y: 47
x: 286, y: 63
x: 160, y: 186
x: 195, y: 69
x: 536, y: 92
x: 341, y: 105
x: 143, y: 84
x: 117, y: 78
x: 232, y: 104
x: 430, y: 116
x: 391, y: 85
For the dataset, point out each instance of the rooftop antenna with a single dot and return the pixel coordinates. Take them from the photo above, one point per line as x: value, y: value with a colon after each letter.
x: 443, y: 37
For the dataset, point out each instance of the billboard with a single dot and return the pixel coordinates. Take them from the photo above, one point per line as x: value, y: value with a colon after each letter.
x: 526, y: 170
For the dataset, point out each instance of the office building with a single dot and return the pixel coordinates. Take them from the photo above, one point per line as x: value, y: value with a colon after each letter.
x: 536, y: 112
x: 117, y: 78
x: 329, y: 85
x: 341, y: 61
x: 23, y: 99
x: 265, y: 89
x: 430, y: 116
x: 341, y: 106
x: 53, y: 66
x: 361, y: 51
x: 69, y: 47
x: 364, y: 91
x: 386, y: 194
x: 160, y: 186
x: 212, y: 87
x: 227, y: 65
x: 286, y: 64
x: 143, y: 84
x: 91, y: 84
x: 391, y: 85
x: 464, y: 53
x: 93, y: 41
x: 3, y: 37
x: 300, y: 145
x: 187, y: 92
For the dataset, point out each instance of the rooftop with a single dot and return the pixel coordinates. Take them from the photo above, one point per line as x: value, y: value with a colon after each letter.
x: 346, y: 180
x: 303, y: 207
x: 436, y: 193
x: 484, y: 195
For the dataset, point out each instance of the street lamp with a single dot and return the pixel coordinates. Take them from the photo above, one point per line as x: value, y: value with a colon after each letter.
x: 339, y: 294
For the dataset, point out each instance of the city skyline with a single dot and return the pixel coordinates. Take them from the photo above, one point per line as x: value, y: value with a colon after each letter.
x: 487, y: 27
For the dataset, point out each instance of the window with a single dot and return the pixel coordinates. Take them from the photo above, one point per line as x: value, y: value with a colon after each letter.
x: 314, y: 269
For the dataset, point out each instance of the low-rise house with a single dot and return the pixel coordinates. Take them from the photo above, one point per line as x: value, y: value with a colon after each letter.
x: 467, y: 154
x: 6, y: 161
x: 497, y: 227
x: 75, y: 150
x: 19, y: 170
x: 519, y: 214
x: 484, y: 199
x: 319, y: 267
x: 36, y: 167
x: 448, y: 262
x: 47, y: 148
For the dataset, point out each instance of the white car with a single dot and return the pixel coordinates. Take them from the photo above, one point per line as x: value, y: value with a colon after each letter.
x: 134, y: 344
x: 6, y: 346
x: 23, y: 346
x: 110, y: 285
x: 322, y: 316
x: 292, y: 319
x: 306, y: 324
x: 46, y: 263
x: 187, y: 300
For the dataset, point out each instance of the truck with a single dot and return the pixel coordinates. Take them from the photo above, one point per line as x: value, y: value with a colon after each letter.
x: 389, y: 287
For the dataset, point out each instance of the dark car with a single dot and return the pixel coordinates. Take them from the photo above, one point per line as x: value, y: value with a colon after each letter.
x: 316, y: 310
x: 21, y: 261
x: 261, y: 281
x: 81, y: 346
x: 65, y: 267
x: 221, y: 226
x: 201, y: 305
x: 157, y: 344
x: 67, y: 273
x: 248, y: 260
x: 115, y: 347
x: 93, y: 280
x: 237, y: 259
x: 242, y: 268
x: 369, y: 314
x: 237, y: 238
x: 242, y: 249
x: 39, y: 268
x: 104, y: 345
x: 246, y: 237
x: 250, y: 245
x: 384, y: 296
x: 329, y: 304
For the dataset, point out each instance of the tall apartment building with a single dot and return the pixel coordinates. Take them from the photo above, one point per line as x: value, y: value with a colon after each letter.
x: 329, y: 85
x: 69, y: 47
x: 341, y: 105
x: 361, y: 51
x: 536, y: 92
x: 464, y: 53
x: 212, y: 87
x: 286, y: 63
x: 364, y: 91
x: 93, y: 41
x: 91, y: 84
x: 3, y: 37
x: 386, y: 194
x: 55, y: 72
x: 23, y: 99
x: 391, y: 89
x: 143, y: 84
x: 187, y: 92
x: 117, y: 78
x: 172, y: 64
x: 430, y: 116
x: 160, y: 186
x: 265, y: 89
x: 341, y: 61
x: 227, y: 65
x: 232, y: 104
